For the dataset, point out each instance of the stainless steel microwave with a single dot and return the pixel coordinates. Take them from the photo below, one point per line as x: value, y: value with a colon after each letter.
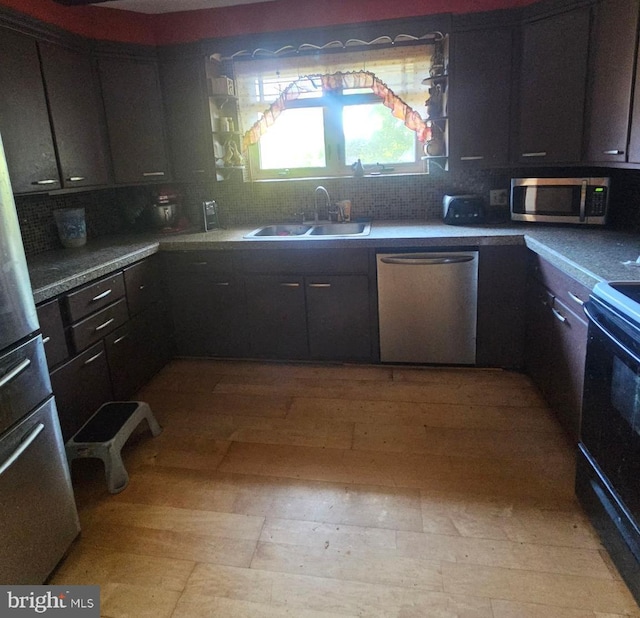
x: 560, y: 200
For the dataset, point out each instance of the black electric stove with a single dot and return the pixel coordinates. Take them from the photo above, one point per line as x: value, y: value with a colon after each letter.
x: 608, y: 469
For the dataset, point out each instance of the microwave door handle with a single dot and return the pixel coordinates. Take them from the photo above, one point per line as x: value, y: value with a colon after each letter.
x: 583, y: 201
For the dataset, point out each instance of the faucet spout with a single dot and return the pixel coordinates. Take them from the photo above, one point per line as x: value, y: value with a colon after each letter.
x: 320, y: 189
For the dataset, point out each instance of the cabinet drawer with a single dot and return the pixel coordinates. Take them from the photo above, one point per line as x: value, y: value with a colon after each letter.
x: 81, y: 386
x: 93, y: 297
x: 571, y: 292
x: 53, y: 337
x: 307, y: 261
x: 24, y: 381
x: 198, y: 261
x: 142, y: 284
x: 96, y: 326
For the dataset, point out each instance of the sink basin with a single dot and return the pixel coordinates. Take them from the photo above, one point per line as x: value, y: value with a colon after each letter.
x: 281, y: 230
x: 317, y: 230
x: 340, y: 229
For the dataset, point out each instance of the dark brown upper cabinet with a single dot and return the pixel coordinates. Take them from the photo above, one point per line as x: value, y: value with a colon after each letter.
x: 187, y: 115
x: 24, y: 119
x: 612, y: 57
x: 552, y: 87
x: 76, y: 116
x: 480, y: 98
x: 135, y: 120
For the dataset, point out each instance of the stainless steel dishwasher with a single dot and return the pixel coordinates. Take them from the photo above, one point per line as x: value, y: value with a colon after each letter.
x: 427, y: 307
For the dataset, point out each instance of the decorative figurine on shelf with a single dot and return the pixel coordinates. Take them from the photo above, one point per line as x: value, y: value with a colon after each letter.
x: 358, y: 169
x: 232, y: 156
x: 434, y: 102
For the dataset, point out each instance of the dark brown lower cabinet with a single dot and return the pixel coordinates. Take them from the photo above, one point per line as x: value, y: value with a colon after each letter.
x: 338, y: 317
x: 556, y: 343
x: 208, y: 314
x: 276, y: 316
x: 137, y: 351
x: 53, y: 337
x: 81, y: 386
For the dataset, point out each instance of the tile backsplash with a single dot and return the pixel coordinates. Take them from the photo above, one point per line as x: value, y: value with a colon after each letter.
x: 415, y: 197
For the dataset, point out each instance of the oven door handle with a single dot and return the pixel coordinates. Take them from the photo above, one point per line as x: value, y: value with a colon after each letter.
x: 608, y: 335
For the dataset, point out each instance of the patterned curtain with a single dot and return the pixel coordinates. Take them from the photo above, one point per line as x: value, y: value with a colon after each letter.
x: 338, y: 81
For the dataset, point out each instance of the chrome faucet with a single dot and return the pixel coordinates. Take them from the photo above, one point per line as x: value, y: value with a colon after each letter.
x: 315, y: 202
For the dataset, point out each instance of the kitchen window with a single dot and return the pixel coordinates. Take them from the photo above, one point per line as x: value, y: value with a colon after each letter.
x: 330, y: 115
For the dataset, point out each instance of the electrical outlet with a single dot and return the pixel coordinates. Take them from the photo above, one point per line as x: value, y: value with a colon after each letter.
x: 498, y: 197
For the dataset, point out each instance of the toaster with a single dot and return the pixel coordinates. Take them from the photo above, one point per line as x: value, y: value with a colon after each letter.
x: 462, y: 209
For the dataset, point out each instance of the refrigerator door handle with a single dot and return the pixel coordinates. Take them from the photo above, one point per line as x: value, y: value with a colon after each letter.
x: 12, y: 374
x: 24, y: 445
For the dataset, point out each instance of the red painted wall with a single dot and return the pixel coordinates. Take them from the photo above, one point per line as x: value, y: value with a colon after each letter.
x: 126, y: 26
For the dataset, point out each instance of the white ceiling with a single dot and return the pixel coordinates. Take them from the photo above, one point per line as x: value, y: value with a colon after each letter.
x: 171, y: 6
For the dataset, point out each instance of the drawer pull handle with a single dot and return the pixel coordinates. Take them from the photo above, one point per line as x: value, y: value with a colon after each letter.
x: 76, y: 179
x: 47, y: 181
x: 148, y: 174
x: 120, y: 339
x: 12, y: 374
x: 46, y: 340
x: 290, y: 285
x: 576, y: 299
x: 558, y: 315
x: 534, y: 154
x: 478, y: 158
x: 222, y: 283
x: 101, y: 296
x: 105, y: 324
x: 198, y: 171
x: 198, y: 263
x: 94, y: 358
x: 319, y: 285
x: 613, y: 152
x: 24, y: 445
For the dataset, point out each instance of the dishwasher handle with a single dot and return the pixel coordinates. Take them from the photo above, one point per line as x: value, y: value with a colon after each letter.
x: 426, y: 261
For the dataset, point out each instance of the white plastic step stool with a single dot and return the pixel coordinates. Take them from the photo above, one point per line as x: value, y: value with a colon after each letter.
x: 106, y: 432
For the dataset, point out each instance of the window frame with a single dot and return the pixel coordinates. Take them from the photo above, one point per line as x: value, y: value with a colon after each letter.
x: 332, y: 104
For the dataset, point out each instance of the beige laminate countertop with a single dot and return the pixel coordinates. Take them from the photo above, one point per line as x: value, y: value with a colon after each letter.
x: 589, y: 255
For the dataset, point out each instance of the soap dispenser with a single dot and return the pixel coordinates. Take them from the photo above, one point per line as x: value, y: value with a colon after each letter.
x: 358, y: 169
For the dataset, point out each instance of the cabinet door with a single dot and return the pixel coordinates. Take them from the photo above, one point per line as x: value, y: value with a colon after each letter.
x: 24, y: 120
x: 133, y: 107
x: 75, y: 108
x: 338, y: 317
x: 53, y: 336
x: 613, y: 52
x: 552, y: 88
x: 137, y: 351
x: 208, y: 314
x: 501, y: 307
x: 539, y: 326
x: 480, y: 98
x: 567, y: 359
x: 276, y: 316
x: 188, y: 124
x: 81, y: 386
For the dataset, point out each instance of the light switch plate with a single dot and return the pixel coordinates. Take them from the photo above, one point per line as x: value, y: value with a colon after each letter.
x: 498, y: 197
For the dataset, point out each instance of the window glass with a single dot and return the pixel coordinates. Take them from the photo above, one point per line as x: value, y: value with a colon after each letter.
x: 373, y: 135
x: 296, y: 140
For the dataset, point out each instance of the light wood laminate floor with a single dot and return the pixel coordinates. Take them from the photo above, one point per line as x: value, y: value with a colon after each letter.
x: 340, y: 491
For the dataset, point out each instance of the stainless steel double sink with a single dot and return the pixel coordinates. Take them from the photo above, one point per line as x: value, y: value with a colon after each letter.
x: 316, y: 230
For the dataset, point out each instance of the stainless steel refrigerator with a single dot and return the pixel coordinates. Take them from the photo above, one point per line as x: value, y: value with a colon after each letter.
x: 38, y: 516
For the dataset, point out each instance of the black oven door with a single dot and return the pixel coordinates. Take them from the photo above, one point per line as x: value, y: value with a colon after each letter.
x: 610, y: 429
